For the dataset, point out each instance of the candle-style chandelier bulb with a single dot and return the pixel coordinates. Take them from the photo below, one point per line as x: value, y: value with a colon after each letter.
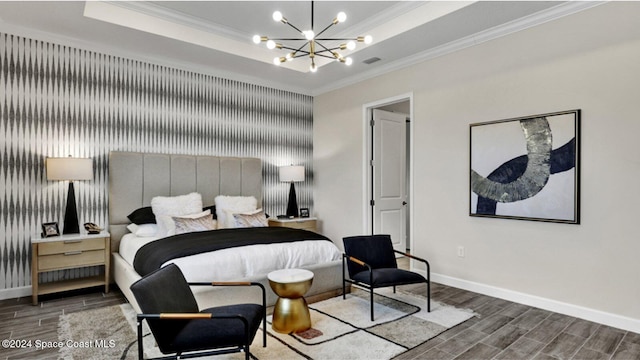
x: 308, y: 34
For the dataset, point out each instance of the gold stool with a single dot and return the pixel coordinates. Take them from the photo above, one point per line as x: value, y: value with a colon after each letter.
x: 291, y: 313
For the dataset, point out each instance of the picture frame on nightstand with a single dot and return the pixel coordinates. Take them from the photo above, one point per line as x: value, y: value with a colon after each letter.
x: 304, y: 212
x: 50, y: 229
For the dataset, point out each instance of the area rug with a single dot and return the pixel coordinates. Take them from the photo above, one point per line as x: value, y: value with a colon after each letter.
x: 341, y: 330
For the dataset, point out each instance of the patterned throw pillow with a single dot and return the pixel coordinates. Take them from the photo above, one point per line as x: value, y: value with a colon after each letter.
x: 232, y: 204
x: 185, y: 225
x: 252, y: 219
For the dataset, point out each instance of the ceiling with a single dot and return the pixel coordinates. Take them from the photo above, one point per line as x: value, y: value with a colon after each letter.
x: 214, y: 37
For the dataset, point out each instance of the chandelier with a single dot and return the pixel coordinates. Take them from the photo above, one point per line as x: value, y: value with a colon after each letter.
x: 312, y: 42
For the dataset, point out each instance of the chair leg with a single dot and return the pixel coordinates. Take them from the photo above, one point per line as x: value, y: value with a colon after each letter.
x: 428, y: 296
x: 248, y: 339
x: 264, y: 326
x: 371, y: 293
x: 394, y: 289
x: 344, y: 290
x: 344, y: 287
x: 140, y: 350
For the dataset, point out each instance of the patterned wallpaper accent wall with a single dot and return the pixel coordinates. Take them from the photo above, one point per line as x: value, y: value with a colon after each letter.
x: 58, y: 101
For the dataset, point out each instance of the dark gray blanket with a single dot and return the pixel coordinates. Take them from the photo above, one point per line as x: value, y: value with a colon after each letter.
x: 152, y: 255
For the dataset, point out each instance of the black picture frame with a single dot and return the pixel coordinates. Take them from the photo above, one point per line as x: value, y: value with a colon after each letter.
x: 526, y: 168
x: 304, y: 212
x: 50, y: 229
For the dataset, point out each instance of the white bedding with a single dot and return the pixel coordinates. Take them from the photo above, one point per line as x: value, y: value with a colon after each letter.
x: 241, y: 262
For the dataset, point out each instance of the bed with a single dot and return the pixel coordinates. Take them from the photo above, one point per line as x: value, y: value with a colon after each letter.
x: 136, y: 178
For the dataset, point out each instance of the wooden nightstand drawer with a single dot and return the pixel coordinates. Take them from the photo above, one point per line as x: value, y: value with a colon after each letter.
x: 297, y: 223
x: 61, y: 247
x: 71, y: 259
x: 305, y: 225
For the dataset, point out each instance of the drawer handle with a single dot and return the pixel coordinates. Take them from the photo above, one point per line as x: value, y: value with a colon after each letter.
x: 72, y: 241
x: 73, y: 253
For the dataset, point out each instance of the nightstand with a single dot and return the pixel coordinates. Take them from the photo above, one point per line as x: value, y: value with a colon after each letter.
x: 69, y: 252
x: 296, y: 223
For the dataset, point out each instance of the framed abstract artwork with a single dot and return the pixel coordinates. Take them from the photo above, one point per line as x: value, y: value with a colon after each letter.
x: 527, y: 168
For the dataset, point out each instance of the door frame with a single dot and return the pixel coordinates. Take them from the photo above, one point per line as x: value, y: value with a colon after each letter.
x: 367, y: 154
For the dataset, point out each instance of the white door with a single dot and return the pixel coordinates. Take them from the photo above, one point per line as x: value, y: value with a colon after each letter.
x: 389, y: 176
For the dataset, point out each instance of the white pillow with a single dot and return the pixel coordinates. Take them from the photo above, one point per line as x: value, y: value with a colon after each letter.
x: 234, y: 205
x: 253, y: 219
x: 169, y: 224
x: 143, y: 230
x: 174, y: 206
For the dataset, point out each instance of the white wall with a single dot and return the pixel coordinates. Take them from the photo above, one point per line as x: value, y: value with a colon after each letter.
x: 588, y: 61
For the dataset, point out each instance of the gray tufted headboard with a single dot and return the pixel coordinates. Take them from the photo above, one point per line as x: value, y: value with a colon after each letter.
x: 135, y: 178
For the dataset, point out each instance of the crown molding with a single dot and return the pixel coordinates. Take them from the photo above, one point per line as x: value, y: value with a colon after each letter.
x: 372, y: 22
x: 165, y: 25
x: 157, y: 19
x: 524, y: 23
x: 541, y: 17
x: 158, y: 11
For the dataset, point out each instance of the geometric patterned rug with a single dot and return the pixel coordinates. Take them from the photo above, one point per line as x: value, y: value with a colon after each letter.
x: 341, y: 329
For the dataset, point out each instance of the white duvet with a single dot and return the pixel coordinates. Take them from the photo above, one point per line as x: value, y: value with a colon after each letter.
x: 241, y: 262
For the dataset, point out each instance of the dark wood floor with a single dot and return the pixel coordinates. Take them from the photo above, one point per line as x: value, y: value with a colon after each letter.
x: 502, y: 329
x: 507, y: 330
x: 22, y: 321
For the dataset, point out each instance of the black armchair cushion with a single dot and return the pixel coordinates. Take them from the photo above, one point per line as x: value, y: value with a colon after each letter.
x: 375, y: 250
x: 196, y: 335
x: 388, y: 277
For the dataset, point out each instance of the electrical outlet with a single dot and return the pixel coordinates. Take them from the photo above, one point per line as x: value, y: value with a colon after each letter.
x: 460, y: 251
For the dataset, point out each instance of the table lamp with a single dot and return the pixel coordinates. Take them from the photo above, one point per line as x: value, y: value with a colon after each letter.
x: 70, y: 169
x: 292, y: 174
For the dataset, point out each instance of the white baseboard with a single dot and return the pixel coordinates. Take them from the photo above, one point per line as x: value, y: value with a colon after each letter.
x: 18, y: 292
x: 601, y: 317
